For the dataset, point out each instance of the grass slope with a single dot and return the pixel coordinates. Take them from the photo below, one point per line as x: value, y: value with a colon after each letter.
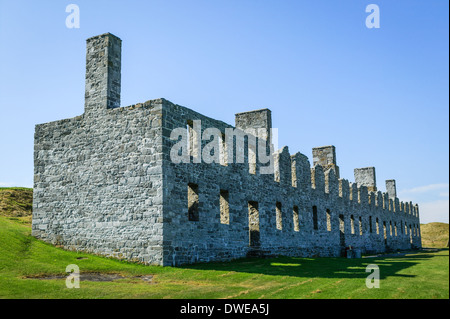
x: 434, y: 234
x: 417, y: 275
x: 16, y: 202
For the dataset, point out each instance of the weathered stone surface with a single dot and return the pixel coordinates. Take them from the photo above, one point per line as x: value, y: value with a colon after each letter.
x: 391, y: 188
x: 105, y: 183
x: 325, y: 156
x: 366, y: 177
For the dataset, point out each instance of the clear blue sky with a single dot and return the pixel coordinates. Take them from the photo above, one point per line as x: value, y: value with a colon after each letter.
x: 379, y: 95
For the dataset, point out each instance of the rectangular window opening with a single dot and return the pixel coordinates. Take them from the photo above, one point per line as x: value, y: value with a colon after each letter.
x: 352, y: 224
x: 224, y: 207
x: 328, y: 220
x: 315, y: 222
x: 341, y: 231
x: 360, y: 226
x: 223, y: 151
x: 296, y: 220
x: 410, y: 234
x: 253, y: 224
x: 279, y: 216
x: 193, y: 202
x: 192, y: 138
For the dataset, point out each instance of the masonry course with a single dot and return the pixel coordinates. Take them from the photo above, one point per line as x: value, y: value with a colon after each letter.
x: 104, y: 183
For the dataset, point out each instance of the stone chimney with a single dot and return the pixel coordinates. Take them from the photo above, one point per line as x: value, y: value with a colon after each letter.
x: 391, y: 188
x: 366, y: 177
x: 325, y: 156
x: 259, y: 119
x: 103, y: 64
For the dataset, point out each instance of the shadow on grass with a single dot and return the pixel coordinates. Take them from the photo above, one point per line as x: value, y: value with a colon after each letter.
x: 321, y: 267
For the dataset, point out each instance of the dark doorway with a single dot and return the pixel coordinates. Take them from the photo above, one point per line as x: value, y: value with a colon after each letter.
x: 253, y: 225
x: 342, y: 233
x: 193, y: 202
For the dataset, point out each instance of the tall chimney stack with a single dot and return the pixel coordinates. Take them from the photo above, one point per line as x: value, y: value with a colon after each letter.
x: 391, y: 188
x: 103, y: 64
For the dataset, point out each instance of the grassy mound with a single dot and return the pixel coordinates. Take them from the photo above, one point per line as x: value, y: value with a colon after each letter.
x: 434, y: 235
x: 16, y: 203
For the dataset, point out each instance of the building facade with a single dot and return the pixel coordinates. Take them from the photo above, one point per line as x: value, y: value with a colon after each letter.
x: 106, y: 182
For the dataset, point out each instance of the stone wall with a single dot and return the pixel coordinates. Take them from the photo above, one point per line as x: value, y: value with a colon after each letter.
x: 98, y: 183
x: 366, y: 177
x: 98, y: 177
x: 294, y: 187
x: 105, y: 183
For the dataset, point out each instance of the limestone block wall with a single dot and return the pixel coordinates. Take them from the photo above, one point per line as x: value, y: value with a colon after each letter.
x: 98, y: 183
x: 107, y: 185
x: 288, y: 223
x: 105, y: 182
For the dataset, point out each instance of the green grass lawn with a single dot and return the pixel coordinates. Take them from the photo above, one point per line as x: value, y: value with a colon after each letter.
x: 416, y: 275
x: 434, y: 234
x: 16, y: 202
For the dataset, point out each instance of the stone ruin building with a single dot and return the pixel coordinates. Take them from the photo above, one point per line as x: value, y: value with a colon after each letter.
x: 104, y: 183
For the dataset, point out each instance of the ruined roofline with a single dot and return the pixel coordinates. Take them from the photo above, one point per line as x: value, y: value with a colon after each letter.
x: 284, y: 151
x: 106, y: 34
x: 253, y: 111
x: 102, y: 97
x: 326, y: 146
x: 162, y: 101
x: 118, y: 160
x: 146, y: 104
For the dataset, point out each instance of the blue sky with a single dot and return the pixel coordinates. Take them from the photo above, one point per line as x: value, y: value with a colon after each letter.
x: 379, y: 95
